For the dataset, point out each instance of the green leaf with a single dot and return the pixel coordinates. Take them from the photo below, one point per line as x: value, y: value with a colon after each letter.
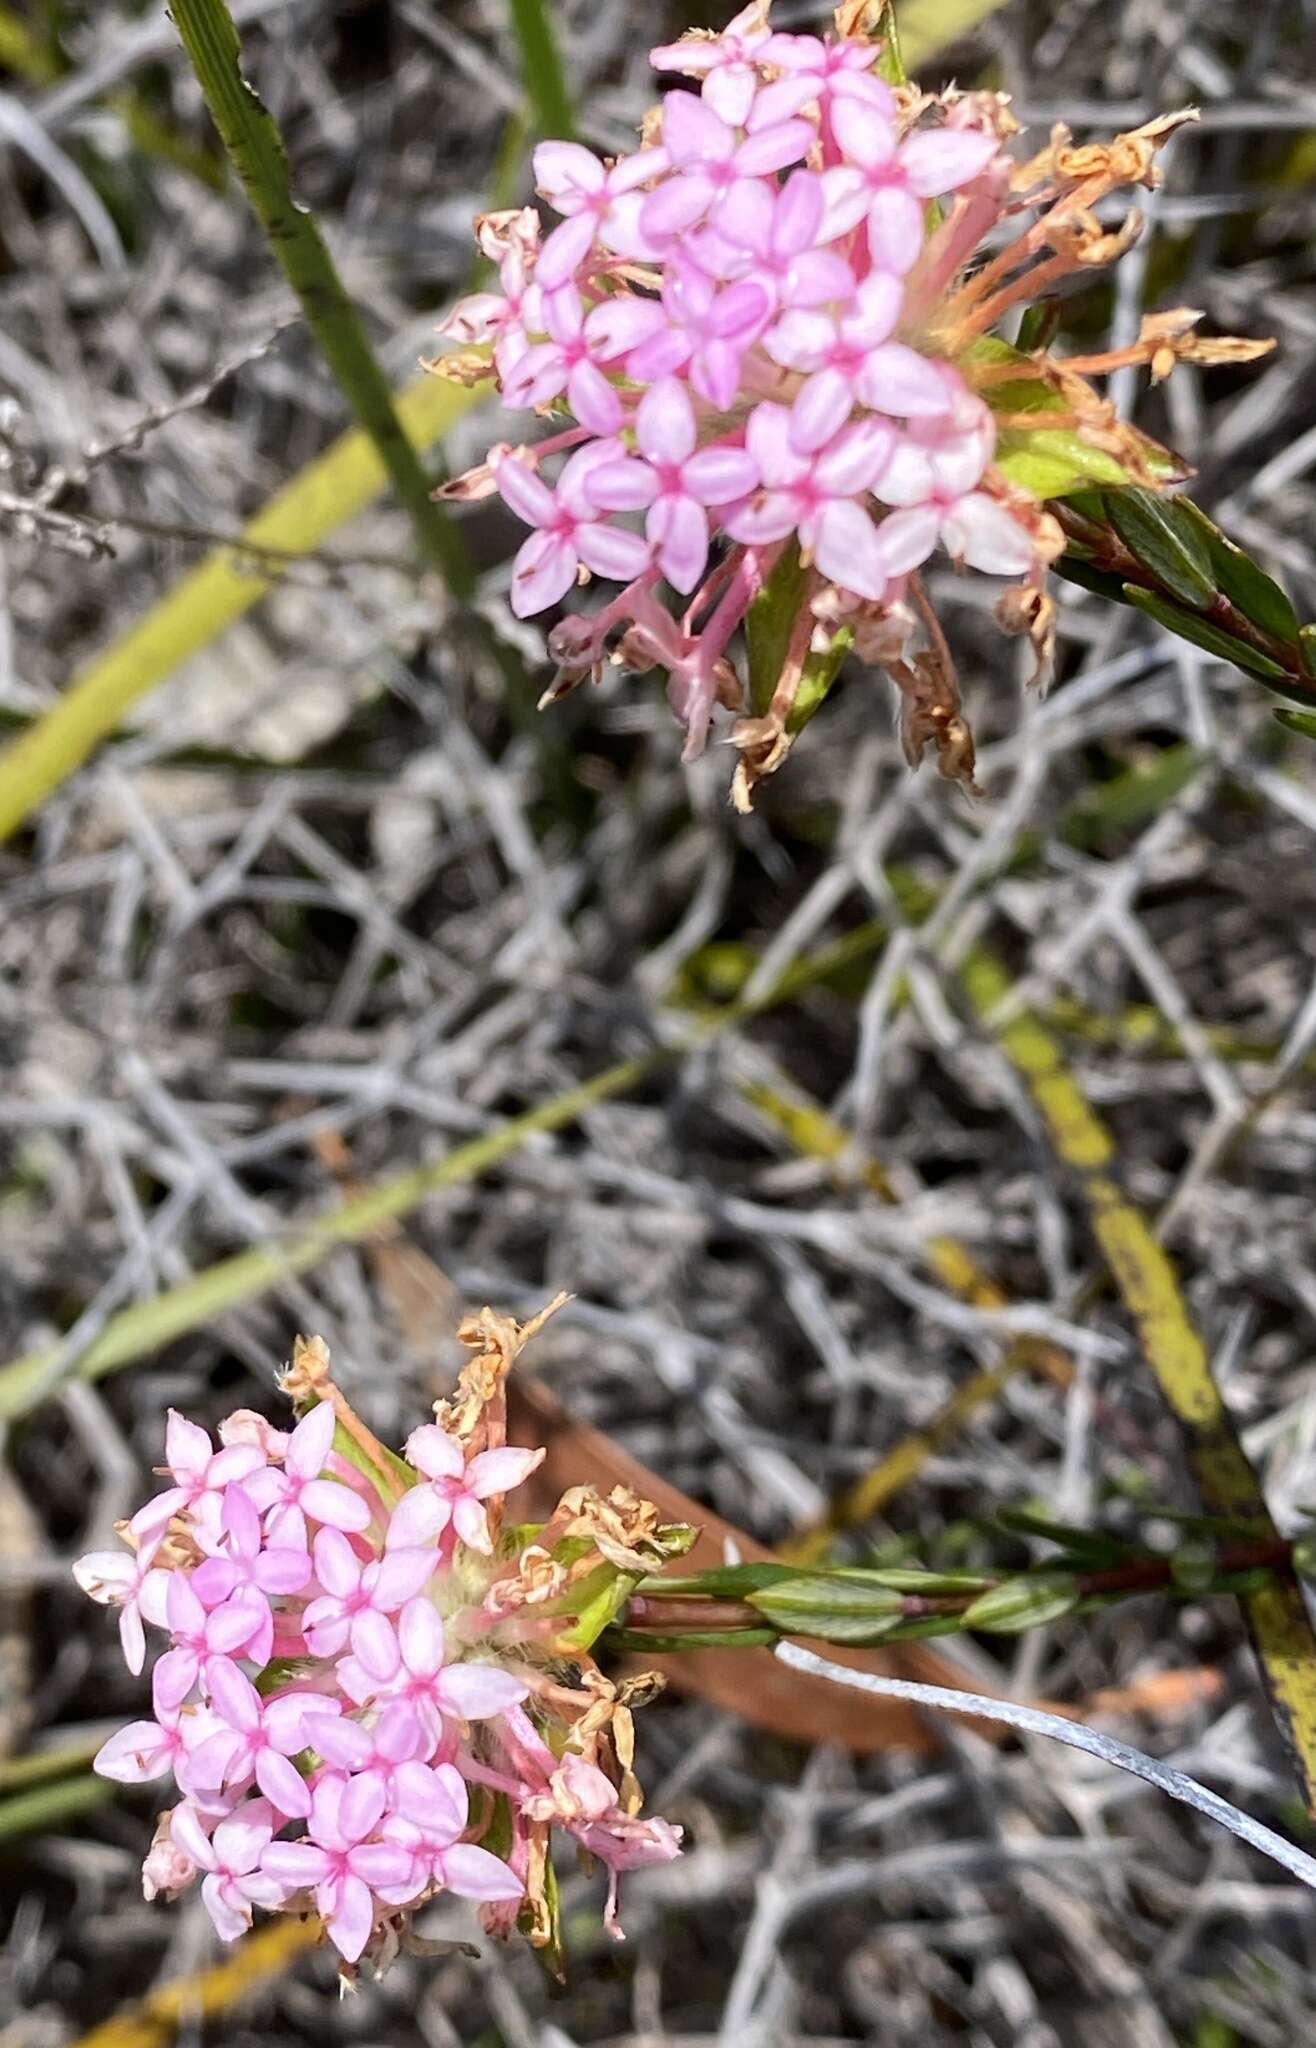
x: 1165, y: 540
x: 1100, y: 581
x: 1028, y: 1601
x: 841, y: 1607
x: 651, y: 1643
x: 1243, y: 581
x: 890, y: 63
x: 1094, y: 1543
x: 768, y: 628
x: 1050, y: 462
x: 1212, y: 638
x: 1303, y: 722
x: 1307, y: 642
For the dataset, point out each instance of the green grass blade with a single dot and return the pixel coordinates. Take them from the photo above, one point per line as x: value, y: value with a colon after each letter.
x: 541, y: 68
x: 253, y: 142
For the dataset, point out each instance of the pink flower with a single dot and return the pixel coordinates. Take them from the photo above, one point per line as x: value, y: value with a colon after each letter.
x: 234, y: 1880
x: 828, y: 70
x: 148, y: 1749
x: 166, y: 1868
x: 930, y: 480
x: 727, y: 63
x: 291, y: 1492
x: 570, y: 361
x: 884, y: 182
x: 386, y: 1753
x: 255, y: 1738
x: 705, y: 334
x: 436, y: 1815
x: 569, y: 530
x: 849, y: 361
x: 598, y: 203
x: 339, y: 1863
x: 357, y: 1599
x: 429, y: 1689
x: 772, y: 235
x: 237, y: 1556
x: 676, y: 481
x: 240, y: 1625
x: 509, y: 316
x: 126, y: 1580
x: 817, y: 495
x: 458, y: 1487
x: 708, y: 161
x: 200, y: 1474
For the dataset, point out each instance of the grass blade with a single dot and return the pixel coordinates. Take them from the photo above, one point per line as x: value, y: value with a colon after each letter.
x: 253, y: 142
x: 207, y: 1994
x: 322, y: 497
x: 1148, y: 1285
x: 541, y: 68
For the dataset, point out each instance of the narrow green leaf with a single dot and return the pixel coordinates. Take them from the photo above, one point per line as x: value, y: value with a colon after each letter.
x: 256, y: 147
x: 541, y: 68
x: 1244, y: 582
x: 891, y: 62
x: 910, y: 1579
x: 768, y: 628
x: 1303, y: 722
x: 1028, y: 1601
x: 1100, y: 581
x: 839, y: 1607
x: 1093, y: 1543
x: 650, y: 1643
x: 1166, y: 542
x: 1193, y: 1566
x: 1190, y: 627
x: 1307, y: 642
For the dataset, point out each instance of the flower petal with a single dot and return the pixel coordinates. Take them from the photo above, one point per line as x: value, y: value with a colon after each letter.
x: 473, y: 1873
x: 942, y: 159
x: 474, y: 1692
x: 543, y: 572
x: 610, y: 551
x: 847, y: 551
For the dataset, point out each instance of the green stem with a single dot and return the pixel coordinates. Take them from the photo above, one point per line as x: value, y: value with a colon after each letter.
x: 253, y: 142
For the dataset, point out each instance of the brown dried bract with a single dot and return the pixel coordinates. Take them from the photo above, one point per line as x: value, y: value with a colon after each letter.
x: 477, y: 1411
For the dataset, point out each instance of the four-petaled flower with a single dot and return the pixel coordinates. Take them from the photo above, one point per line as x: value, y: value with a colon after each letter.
x: 459, y: 1486
x: 357, y: 1599
x: 676, y: 481
x: 848, y: 360
x: 240, y: 1624
x: 340, y: 1863
x: 256, y: 1738
x: 726, y: 63
x: 297, y: 1489
x: 885, y: 182
x: 595, y: 201
x: 127, y: 1580
x: 200, y: 1474
x: 931, y: 480
x: 572, y: 359
x: 709, y: 160
x: 231, y: 1858
x: 570, y: 530
x: 427, y: 1687
x: 428, y: 1832
x: 818, y: 496
x: 238, y: 1555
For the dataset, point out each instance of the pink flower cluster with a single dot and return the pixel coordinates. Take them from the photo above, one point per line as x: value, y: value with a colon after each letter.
x: 352, y: 1698
x: 737, y: 319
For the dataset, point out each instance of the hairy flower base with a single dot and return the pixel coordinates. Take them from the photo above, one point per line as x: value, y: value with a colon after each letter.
x: 767, y: 331
x: 365, y: 1697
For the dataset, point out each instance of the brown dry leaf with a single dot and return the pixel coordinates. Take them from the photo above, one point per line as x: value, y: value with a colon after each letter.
x: 750, y: 1683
